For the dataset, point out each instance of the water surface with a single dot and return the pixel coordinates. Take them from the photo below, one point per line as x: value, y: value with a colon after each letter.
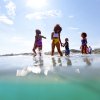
x: 50, y: 78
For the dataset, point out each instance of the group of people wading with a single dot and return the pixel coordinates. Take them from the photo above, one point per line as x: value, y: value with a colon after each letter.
x: 56, y: 42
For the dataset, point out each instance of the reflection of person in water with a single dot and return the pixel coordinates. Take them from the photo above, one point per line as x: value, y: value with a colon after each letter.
x: 36, y: 68
x: 41, y: 61
x: 38, y: 61
x: 59, y: 62
x: 69, y: 63
x: 88, y: 61
x: 54, y: 62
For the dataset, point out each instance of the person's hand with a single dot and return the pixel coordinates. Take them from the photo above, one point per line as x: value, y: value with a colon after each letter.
x: 62, y: 44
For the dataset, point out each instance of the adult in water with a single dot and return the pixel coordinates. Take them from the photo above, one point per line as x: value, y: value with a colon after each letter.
x: 56, y: 41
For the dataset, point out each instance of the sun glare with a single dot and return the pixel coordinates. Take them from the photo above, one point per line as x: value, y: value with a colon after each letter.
x: 36, y: 3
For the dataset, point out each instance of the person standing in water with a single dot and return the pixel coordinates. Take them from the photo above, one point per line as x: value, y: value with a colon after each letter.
x: 56, y: 41
x: 66, y: 45
x: 38, y: 42
x: 84, y: 43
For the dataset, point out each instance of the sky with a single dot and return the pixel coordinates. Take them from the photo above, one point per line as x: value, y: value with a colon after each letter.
x: 20, y: 18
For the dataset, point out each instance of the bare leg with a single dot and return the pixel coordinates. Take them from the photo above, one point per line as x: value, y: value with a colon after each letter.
x: 34, y: 48
x: 58, y: 48
x: 84, y: 49
x: 52, y: 51
x: 40, y: 49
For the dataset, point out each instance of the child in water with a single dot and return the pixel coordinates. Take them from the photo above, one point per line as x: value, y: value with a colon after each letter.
x: 38, y: 42
x: 84, y: 43
x: 66, y: 45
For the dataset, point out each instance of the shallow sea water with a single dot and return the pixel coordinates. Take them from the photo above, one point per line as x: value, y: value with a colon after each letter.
x: 50, y: 78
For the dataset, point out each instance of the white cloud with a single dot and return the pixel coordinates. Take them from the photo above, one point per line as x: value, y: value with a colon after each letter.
x: 4, y: 19
x: 44, y: 15
x: 6, y: 0
x: 73, y: 28
x: 11, y: 8
x: 36, y: 3
x: 71, y: 16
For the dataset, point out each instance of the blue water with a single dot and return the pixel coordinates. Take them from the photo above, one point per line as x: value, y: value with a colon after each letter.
x: 50, y: 78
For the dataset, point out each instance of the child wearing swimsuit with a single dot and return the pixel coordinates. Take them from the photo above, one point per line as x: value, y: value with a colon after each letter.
x: 38, y: 41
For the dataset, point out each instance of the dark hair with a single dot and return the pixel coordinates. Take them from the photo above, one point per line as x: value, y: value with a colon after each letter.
x: 66, y: 39
x: 38, y: 31
x: 57, y: 27
x: 84, y: 35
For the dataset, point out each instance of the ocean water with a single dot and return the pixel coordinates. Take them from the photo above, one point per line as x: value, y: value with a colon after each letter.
x: 50, y: 78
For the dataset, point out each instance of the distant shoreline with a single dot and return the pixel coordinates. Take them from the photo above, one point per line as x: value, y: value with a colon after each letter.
x: 95, y: 51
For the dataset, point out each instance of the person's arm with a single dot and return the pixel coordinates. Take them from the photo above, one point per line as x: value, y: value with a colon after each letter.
x: 63, y: 44
x: 86, y: 41
x: 60, y: 39
x: 43, y: 37
x: 52, y: 35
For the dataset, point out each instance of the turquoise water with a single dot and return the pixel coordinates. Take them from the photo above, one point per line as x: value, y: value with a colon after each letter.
x: 50, y: 78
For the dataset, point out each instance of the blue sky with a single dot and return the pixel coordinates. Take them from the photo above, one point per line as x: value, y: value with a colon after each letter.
x: 20, y: 18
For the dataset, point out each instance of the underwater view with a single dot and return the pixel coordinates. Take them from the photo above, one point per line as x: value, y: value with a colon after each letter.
x: 50, y: 78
